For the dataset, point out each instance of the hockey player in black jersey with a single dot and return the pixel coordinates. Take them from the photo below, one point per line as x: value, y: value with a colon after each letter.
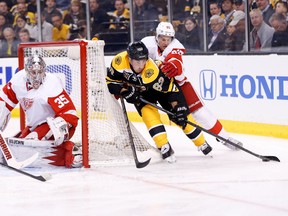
x: 133, y: 75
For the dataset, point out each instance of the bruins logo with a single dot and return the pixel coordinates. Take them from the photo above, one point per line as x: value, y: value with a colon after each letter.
x: 118, y: 60
x: 149, y: 73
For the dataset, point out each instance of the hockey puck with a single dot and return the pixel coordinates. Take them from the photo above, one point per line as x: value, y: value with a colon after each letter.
x: 265, y: 160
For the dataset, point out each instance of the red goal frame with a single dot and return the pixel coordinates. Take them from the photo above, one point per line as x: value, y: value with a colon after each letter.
x: 84, y: 88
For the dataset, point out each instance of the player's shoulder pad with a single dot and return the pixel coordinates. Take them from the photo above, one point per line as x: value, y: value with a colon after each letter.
x: 149, y: 42
x: 18, y: 80
x: 120, y: 61
x: 54, y: 83
x: 150, y: 72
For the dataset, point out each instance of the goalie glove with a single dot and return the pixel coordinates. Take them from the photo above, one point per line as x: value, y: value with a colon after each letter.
x: 180, y: 115
x: 59, y: 128
x: 131, y: 95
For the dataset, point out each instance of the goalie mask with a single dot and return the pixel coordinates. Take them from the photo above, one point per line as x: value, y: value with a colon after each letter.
x: 35, y: 71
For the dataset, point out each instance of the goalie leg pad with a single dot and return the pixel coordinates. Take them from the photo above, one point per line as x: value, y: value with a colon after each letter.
x: 41, y: 132
x: 67, y: 155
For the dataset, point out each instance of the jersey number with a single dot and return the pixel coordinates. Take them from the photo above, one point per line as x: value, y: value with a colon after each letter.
x: 61, y: 101
x: 158, y: 85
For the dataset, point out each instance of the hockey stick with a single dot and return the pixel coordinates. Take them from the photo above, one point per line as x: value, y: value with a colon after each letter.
x: 42, y: 178
x: 264, y: 158
x: 29, y: 142
x: 132, y: 144
x: 10, y: 159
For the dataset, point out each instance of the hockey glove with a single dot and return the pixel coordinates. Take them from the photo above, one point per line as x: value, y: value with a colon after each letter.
x: 131, y: 95
x: 59, y: 128
x: 180, y: 115
x: 170, y: 69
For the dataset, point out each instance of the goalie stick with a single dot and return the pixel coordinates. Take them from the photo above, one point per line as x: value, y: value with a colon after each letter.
x: 10, y: 159
x: 29, y: 142
x: 137, y: 162
x: 264, y: 158
x: 42, y: 178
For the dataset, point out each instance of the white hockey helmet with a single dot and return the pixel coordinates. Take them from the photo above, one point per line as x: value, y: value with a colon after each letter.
x: 166, y: 29
x: 35, y: 70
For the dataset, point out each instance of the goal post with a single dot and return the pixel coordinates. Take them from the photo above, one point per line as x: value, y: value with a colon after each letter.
x: 101, y: 129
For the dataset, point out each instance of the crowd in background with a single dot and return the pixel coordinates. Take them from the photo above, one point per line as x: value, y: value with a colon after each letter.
x: 225, y: 30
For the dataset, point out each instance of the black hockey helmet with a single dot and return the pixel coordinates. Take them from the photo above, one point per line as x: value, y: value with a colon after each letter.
x: 137, y: 50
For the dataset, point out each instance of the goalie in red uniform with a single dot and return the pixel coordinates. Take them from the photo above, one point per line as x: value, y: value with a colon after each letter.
x: 167, y: 52
x: 50, y: 112
x: 132, y: 74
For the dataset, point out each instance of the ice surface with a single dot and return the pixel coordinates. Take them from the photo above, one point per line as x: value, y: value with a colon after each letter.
x: 232, y: 183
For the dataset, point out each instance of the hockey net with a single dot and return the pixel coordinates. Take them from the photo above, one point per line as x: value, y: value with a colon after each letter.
x: 101, y: 130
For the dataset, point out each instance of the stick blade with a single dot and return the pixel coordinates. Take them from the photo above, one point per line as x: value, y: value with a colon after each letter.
x: 142, y: 164
x: 44, y: 177
x: 270, y: 158
x: 22, y: 164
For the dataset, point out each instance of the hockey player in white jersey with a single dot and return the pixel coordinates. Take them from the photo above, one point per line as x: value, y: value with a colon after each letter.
x: 167, y: 52
x: 50, y: 112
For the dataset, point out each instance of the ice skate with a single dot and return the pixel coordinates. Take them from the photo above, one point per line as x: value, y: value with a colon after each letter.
x: 205, y: 148
x: 78, y: 159
x: 168, y: 153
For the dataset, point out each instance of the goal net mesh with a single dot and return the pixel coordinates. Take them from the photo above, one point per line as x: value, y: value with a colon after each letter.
x: 81, y: 67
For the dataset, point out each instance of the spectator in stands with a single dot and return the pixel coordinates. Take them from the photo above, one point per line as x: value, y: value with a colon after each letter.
x: 215, y: 8
x: 24, y: 36
x: 146, y: 18
x: 3, y: 25
x: 60, y: 31
x: 228, y: 9
x: 280, y: 37
x: 14, y: 8
x: 9, y: 3
x: 46, y: 29
x: 99, y: 18
x: 22, y: 10
x: 240, y: 5
x: 21, y: 22
x: 238, y: 36
x: 281, y: 7
x: 9, y: 45
x: 81, y: 32
x: 261, y: 34
x: 217, y: 34
x: 4, y: 9
x: 192, y: 35
x: 229, y: 37
x: 50, y: 9
x: 121, y: 16
x: 74, y: 14
x: 266, y: 8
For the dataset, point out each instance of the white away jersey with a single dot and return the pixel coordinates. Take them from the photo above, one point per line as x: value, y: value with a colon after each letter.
x: 152, y: 46
x: 49, y: 100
